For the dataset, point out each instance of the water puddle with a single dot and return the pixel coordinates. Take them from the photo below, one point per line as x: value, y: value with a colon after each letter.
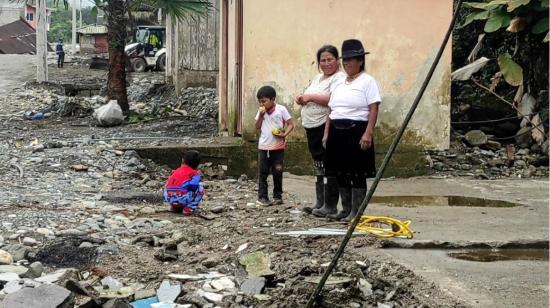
x: 416, y: 201
x: 485, y: 255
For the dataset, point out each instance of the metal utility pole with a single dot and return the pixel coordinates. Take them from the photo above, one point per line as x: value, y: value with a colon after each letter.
x: 41, y: 42
x: 176, y: 56
x: 80, y: 6
x: 169, y: 47
x: 73, y: 37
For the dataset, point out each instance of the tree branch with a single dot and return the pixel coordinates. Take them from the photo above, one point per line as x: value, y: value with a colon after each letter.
x: 511, y: 105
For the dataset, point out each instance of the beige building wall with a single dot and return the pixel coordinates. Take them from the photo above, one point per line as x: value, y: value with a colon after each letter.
x: 280, y: 39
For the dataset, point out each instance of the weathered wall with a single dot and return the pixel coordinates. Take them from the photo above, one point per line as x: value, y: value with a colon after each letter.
x: 10, y: 12
x: 197, y: 45
x: 281, y: 38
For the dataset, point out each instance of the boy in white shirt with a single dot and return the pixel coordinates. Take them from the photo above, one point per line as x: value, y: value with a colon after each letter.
x: 274, y: 123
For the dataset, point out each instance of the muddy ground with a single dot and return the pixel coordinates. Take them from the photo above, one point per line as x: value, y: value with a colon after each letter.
x: 95, y: 208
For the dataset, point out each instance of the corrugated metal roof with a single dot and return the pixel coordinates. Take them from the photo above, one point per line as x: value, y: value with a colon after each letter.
x: 93, y: 29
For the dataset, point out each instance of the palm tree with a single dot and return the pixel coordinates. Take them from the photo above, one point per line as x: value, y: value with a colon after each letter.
x: 117, y: 12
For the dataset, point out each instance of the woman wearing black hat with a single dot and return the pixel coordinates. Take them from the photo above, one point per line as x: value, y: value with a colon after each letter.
x: 348, y: 134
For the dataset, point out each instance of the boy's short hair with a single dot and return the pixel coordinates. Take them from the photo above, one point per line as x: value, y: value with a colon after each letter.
x: 266, y: 92
x: 192, y: 158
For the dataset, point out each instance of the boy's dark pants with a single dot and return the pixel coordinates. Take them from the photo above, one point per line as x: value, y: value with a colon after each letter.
x: 270, y: 161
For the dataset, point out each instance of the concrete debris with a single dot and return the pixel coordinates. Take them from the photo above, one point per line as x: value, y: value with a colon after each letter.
x: 167, y: 292
x: 44, y: 296
x: 222, y: 284
x: 5, y: 257
x: 53, y: 277
x: 145, y: 293
x: 17, y: 269
x: 257, y: 264
x: 242, y: 247
x: 12, y: 287
x: 253, y: 285
x: 207, y: 276
x: 17, y: 251
x: 210, y: 296
x: 365, y: 287
x: 117, y: 303
x: 9, y: 276
x: 332, y: 280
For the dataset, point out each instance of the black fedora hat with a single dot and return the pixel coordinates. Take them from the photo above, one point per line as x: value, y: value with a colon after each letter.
x: 352, y: 48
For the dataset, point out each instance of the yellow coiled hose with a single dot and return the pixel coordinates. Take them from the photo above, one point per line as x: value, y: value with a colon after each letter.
x: 385, y: 226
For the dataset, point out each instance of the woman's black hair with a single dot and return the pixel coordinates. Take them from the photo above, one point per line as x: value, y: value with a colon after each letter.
x: 326, y: 48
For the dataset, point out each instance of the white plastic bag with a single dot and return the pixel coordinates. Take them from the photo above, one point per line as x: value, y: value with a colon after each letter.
x: 109, y: 114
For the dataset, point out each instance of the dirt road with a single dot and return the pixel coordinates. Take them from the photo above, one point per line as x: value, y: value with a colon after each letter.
x: 16, y: 69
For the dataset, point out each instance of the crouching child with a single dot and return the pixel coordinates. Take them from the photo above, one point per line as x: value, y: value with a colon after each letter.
x: 184, y: 190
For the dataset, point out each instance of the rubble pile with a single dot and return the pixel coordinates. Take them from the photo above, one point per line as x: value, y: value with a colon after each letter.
x: 156, y: 98
x: 476, y: 155
x: 93, y: 230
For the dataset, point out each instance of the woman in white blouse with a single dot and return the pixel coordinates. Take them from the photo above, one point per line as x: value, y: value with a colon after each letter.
x: 314, y: 114
x: 354, y: 105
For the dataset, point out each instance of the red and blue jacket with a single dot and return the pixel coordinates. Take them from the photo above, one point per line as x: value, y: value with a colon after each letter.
x: 184, y: 188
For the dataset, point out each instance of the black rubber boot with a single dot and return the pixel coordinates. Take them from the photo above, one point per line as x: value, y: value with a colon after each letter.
x: 357, y: 196
x: 345, y: 196
x: 331, y: 199
x: 319, y: 195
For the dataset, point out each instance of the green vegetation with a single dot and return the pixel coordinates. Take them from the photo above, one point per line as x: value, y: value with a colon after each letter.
x: 513, y: 35
x: 61, y: 21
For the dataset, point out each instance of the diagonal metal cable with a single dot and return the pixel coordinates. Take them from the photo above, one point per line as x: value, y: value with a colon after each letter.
x: 314, y: 296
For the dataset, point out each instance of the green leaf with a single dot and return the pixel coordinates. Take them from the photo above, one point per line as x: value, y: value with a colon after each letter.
x: 541, y: 26
x: 475, y: 16
x: 475, y: 5
x: 495, y: 3
x: 514, y: 4
x: 545, y: 3
x: 485, y: 6
x: 497, y: 20
x: 94, y: 11
x: 180, y: 9
x: 512, y: 72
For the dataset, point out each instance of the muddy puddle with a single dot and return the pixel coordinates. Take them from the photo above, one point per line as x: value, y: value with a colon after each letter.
x: 416, y: 201
x: 486, y: 255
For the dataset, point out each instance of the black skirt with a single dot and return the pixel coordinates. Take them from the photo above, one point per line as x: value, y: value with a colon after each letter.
x: 315, y: 142
x: 344, y: 156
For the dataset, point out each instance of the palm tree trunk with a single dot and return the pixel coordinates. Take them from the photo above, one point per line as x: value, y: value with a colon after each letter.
x: 116, y: 34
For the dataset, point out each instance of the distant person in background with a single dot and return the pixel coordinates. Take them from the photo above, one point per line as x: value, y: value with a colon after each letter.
x: 60, y: 53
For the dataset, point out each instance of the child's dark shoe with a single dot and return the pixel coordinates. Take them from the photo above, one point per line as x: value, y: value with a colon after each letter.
x: 263, y: 202
x: 277, y: 201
